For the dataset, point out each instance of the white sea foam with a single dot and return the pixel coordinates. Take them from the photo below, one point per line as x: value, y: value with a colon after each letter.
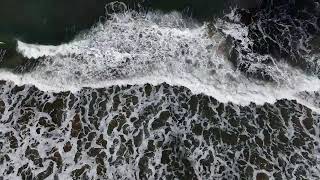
x: 134, y: 48
x: 153, y: 48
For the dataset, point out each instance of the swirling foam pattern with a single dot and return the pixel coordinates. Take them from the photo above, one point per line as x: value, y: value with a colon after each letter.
x: 98, y: 107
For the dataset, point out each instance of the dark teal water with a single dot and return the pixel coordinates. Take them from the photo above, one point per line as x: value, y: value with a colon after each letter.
x: 48, y: 21
x: 54, y: 21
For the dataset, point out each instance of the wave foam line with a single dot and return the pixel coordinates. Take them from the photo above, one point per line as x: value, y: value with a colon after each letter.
x: 242, y: 95
x: 133, y: 48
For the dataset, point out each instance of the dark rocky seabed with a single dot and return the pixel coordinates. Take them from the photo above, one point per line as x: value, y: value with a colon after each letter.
x: 163, y: 131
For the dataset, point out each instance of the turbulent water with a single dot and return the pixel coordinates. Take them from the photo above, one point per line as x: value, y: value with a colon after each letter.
x: 152, y: 95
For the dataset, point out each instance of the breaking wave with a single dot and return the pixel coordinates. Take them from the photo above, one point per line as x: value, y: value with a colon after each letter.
x: 152, y: 95
x: 139, y: 48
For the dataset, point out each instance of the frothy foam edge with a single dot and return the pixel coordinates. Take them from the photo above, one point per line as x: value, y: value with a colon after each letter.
x: 108, y: 39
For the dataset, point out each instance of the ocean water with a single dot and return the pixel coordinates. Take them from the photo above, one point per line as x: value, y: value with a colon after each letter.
x: 159, y: 93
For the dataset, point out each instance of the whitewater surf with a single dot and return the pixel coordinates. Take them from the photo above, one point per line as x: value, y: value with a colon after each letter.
x: 153, y: 95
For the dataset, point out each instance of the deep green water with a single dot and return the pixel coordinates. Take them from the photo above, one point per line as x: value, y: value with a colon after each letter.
x: 55, y: 21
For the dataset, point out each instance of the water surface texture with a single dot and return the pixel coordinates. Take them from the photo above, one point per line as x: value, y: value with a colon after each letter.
x: 160, y: 90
